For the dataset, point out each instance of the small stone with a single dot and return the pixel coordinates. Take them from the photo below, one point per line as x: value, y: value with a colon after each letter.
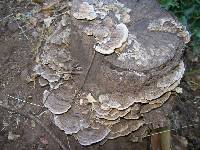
x: 48, y: 21
x: 44, y: 141
x: 64, y: 20
x: 35, y: 34
x: 43, y: 82
x: 33, y: 124
x: 12, y: 136
x: 179, y: 90
x: 33, y: 21
x: 90, y: 98
x: 12, y: 26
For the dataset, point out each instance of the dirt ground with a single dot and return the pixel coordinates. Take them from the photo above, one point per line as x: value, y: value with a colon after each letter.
x: 19, y: 132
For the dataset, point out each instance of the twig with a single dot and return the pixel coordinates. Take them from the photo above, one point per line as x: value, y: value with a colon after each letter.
x: 6, y: 17
x: 20, y: 100
x: 86, y: 76
x: 22, y: 31
x: 30, y: 116
x: 169, y: 130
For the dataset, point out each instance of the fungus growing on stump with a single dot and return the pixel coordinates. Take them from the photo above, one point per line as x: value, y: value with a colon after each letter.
x: 128, y: 55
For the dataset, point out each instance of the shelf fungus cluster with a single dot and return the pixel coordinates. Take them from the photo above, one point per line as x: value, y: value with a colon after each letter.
x: 112, y: 68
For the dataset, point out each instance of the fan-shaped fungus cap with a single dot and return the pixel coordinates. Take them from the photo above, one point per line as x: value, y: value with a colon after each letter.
x: 57, y: 102
x: 117, y: 38
x: 124, y: 128
x: 89, y: 136
x: 69, y: 123
x: 85, y: 11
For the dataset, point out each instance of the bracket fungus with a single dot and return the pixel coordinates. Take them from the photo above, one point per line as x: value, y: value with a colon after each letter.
x: 129, y: 53
x: 117, y: 38
x: 85, y: 11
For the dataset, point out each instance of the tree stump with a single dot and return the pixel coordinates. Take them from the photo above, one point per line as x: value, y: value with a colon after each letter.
x: 111, y: 67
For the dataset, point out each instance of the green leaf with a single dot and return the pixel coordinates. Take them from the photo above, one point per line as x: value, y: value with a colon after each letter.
x: 197, y: 34
x: 184, y: 20
x: 188, y: 12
